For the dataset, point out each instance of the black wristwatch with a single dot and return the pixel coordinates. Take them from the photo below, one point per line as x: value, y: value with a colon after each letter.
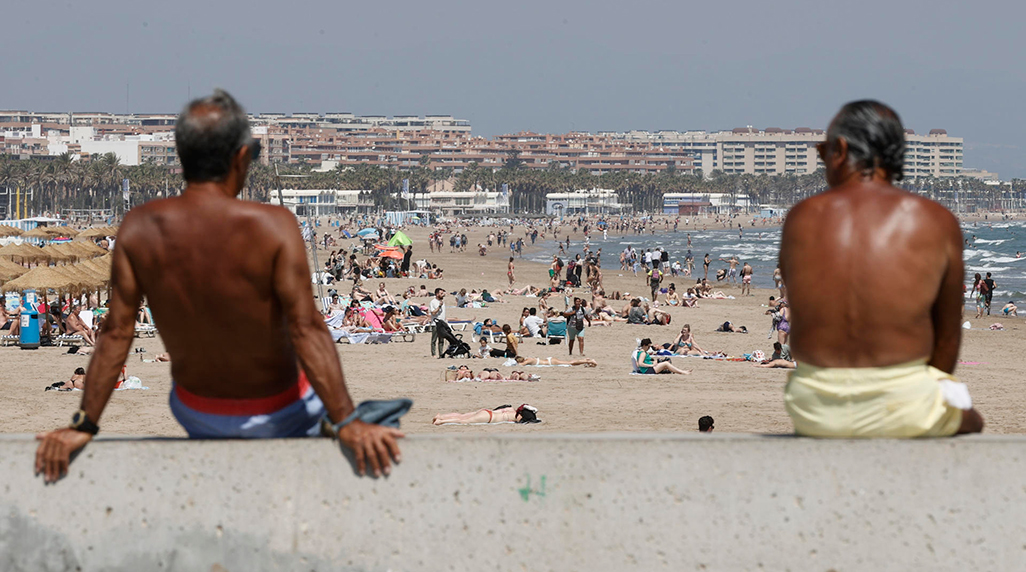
x: 81, y: 422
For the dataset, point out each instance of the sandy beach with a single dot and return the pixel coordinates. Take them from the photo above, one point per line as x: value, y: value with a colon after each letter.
x: 740, y: 397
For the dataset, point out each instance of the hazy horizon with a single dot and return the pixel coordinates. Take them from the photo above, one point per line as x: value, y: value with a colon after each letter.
x: 544, y: 67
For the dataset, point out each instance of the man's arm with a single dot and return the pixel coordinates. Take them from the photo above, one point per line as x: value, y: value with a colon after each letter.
x: 316, y: 352
x: 946, y: 313
x: 55, y: 448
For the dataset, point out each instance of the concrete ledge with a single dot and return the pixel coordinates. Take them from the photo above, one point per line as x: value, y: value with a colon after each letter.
x: 547, y: 502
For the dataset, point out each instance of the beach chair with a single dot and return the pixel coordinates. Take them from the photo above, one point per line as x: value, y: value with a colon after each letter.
x: 145, y: 331
x: 68, y: 340
x: 10, y: 341
x: 557, y: 330
x: 634, y: 363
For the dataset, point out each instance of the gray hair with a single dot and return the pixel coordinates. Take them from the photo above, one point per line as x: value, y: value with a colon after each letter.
x: 875, y: 136
x: 206, y: 141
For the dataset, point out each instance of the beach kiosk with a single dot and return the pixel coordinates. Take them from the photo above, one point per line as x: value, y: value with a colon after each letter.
x: 29, y: 335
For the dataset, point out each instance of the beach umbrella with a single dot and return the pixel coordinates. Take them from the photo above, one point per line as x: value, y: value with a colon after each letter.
x: 56, y: 254
x: 40, y: 278
x: 85, y: 249
x: 38, y: 232
x: 391, y: 254
x: 23, y: 251
x: 10, y: 270
x: 80, y: 275
x: 7, y: 230
x: 399, y: 239
x: 367, y: 232
x: 95, y: 232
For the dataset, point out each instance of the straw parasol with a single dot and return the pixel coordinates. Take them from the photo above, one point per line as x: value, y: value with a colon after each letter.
x: 7, y: 230
x: 24, y: 251
x: 94, y: 232
x: 80, y: 275
x: 40, y: 278
x: 43, y: 232
x: 84, y: 249
x: 10, y: 272
x: 56, y: 254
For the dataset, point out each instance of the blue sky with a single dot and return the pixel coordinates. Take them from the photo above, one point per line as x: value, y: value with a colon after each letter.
x: 540, y: 66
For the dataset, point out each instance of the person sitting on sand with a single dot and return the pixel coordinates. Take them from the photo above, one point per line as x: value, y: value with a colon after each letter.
x: 390, y: 321
x: 731, y: 328
x: 483, y: 350
x: 872, y: 365
x: 423, y: 292
x: 685, y: 343
x: 1010, y: 309
x: 647, y: 364
x: 690, y: 299
x: 672, y: 297
x: 781, y: 358
x: 502, y: 414
x: 511, y: 344
x: 586, y: 362
x: 705, y: 424
x: 77, y: 380
x: 637, y: 314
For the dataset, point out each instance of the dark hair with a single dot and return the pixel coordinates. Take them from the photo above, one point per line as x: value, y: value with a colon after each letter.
x: 437, y: 290
x: 777, y: 346
x: 206, y: 141
x: 875, y: 136
x: 79, y: 371
x: 646, y: 342
x: 527, y: 414
x: 705, y: 424
x: 533, y: 311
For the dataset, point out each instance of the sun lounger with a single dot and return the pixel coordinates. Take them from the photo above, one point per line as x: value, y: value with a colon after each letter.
x: 68, y: 340
x: 10, y: 341
x: 145, y: 331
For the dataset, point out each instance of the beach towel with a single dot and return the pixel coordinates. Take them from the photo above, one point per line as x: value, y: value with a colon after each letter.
x: 479, y: 380
x: 376, y: 412
x: 364, y: 337
x: 904, y: 400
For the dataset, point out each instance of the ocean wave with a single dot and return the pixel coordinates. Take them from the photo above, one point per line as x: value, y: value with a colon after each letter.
x: 1004, y: 259
x: 994, y: 242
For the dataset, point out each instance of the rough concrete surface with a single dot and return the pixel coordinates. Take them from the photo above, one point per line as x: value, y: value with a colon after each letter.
x: 547, y: 502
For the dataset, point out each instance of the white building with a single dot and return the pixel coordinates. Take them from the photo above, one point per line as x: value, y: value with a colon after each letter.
x: 453, y: 203
x: 583, y: 201
x: 322, y: 202
x: 776, y: 151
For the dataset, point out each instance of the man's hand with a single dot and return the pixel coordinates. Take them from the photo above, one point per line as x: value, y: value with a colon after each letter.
x: 55, y: 449
x: 371, y: 444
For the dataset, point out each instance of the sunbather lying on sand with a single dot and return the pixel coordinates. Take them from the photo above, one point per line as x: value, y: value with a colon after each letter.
x: 587, y: 362
x: 487, y: 374
x: 501, y: 414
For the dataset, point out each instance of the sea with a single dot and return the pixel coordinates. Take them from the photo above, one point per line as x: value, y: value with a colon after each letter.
x: 992, y: 248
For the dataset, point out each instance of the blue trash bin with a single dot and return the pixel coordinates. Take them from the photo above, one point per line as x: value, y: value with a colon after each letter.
x: 29, y: 335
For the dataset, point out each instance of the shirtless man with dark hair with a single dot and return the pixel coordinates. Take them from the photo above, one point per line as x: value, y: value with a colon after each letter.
x: 871, y: 366
x: 229, y: 287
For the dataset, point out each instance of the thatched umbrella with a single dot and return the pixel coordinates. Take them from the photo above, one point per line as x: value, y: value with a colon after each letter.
x: 24, y: 252
x: 81, y: 276
x: 94, y: 232
x: 7, y: 230
x: 53, y: 252
x: 41, y: 278
x: 39, y: 232
x: 11, y: 272
x: 84, y: 249
x: 98, y: 268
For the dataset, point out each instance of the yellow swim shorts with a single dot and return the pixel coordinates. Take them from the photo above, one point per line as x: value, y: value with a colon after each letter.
x: 904, y: 400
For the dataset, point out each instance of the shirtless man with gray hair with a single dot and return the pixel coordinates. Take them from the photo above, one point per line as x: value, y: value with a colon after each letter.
x: 229, y: 287
x: 871, y: 366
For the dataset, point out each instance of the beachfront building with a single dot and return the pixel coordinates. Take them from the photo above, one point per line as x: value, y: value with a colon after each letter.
x: 692, y: 204
x: 583, y: 202
x: 455, y: 203
x: 776, y: 151
x: 322, y: 202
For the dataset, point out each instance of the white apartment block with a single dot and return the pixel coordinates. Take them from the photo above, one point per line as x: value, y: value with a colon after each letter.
x: 583, y: 201
x: 321, y: 202
x: 776, y: 151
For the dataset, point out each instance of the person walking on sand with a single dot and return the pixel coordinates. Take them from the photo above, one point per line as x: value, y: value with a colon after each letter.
x: 263, y: 365
x: 576, y: 316
x: 886, y: 369
x: 746, y: 279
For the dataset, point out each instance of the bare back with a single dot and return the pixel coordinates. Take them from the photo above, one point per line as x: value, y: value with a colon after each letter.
x: 206, y: 264
x: 873, y: 277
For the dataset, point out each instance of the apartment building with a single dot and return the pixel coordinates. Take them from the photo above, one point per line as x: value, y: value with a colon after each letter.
x: 322, y: 202
x: 776, y: 151
x: 583, y: 201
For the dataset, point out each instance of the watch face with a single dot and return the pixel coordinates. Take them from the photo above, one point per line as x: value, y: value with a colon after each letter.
x: 77, y: 418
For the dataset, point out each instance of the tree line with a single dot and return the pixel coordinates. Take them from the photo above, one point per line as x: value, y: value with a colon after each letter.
x: 58, y: 183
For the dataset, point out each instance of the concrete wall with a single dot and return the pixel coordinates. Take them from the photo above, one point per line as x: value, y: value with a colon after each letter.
x: 523, y: 502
